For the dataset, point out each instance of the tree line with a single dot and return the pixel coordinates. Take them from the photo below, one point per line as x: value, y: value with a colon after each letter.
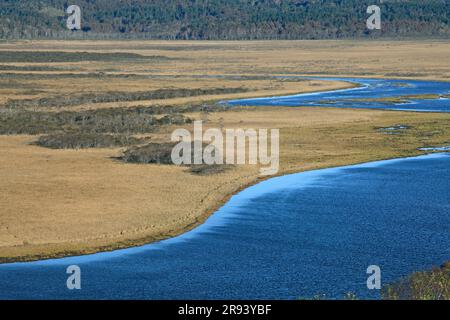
x: 224, y: 19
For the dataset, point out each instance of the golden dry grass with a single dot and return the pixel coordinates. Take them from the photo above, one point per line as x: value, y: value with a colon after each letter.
x: 420, y: 59
x: 57, y: 202
x: 192, y: 61
x: 62, y: 202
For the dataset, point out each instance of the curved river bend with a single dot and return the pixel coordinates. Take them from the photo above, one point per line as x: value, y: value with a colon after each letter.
x: 416, y: 95
x: 286, y: 238
x: 290, y: 237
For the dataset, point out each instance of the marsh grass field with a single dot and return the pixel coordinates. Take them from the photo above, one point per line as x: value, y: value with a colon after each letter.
x: 69, y: 110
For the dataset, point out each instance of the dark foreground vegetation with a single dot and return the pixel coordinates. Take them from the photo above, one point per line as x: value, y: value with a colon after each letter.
x: 224, y: 19
x: 426, y: 285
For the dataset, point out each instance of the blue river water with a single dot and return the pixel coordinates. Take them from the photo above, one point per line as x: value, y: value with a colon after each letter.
x: 367, y: 89
x: 289, y: 237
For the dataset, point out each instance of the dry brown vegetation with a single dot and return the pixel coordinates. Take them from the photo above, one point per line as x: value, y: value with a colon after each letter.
x: 62, y: 202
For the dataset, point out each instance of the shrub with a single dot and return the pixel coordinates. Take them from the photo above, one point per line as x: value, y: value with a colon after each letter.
x: 117, y: 121
x: 85, y: 140
x: 105, y: 97
x: 428, y: 285
x: 63, y: 56
x: 159, y: 153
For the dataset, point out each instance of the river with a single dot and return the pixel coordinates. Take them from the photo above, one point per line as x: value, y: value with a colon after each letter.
x: 290, y: 237
x: 415, y: 95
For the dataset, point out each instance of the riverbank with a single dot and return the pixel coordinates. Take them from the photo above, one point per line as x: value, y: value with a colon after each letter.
x: 401, y: 95
x: 321, y: 222
x: 69, y: 202
x: 426, y: 285
x: 311, y: 138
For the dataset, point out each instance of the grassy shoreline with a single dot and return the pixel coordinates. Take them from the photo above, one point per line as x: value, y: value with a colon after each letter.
x: 64, y: 202
x: 182, y: 230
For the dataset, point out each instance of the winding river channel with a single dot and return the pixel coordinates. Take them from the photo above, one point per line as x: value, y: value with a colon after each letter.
x: 404, y: 95
x: 290, y: 237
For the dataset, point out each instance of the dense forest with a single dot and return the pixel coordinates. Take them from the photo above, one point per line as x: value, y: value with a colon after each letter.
x: 224, y: 19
